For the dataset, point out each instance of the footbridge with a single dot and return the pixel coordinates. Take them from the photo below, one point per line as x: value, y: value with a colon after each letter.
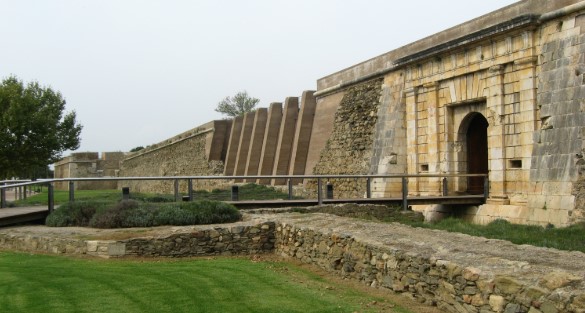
x: 298, y: 191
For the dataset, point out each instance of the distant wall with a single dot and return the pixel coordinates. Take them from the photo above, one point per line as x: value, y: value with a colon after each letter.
x: 89, y: 164
x: 199, y: 151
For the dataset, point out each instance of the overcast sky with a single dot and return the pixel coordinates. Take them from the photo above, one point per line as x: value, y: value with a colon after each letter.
x: 139, y: 71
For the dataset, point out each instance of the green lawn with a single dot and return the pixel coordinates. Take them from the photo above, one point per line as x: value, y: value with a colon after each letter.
x: 246, y: 192
x: 43, y: 283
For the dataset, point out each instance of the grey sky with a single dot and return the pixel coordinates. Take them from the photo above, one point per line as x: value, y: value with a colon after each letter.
x: 139, y: 71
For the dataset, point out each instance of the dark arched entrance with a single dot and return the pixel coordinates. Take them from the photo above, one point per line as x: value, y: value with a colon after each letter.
x: 477, y: 152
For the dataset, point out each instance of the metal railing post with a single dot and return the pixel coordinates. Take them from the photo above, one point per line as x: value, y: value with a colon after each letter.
x: 329, y: 188
x: 177, y: 199
x: 319, y: 192
x: 190, y: 187
x: 235, y: 193
x: 2, y: 198
x: 368, y: 188
x: 51, y: 200
x: 445, y: 187
x: 71, y: 191
x: 290, y: 189
x: 25, y: 189
x: 125, y: 193
x: 404, y: 193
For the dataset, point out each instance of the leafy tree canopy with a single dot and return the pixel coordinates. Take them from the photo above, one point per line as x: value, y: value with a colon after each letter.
x: 237, y: 105
x: 34, y: 131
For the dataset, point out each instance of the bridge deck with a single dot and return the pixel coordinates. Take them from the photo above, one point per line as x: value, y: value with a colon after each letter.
x: 11, y: 216
x: 447, y: 200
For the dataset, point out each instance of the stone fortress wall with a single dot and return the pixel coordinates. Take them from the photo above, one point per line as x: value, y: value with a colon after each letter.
x: 501, y: 94
x: 89, y: 164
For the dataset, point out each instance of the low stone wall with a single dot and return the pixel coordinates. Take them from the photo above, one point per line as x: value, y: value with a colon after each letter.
x: 455, y: 272
x: 233, y: 239
x: 236, y: 240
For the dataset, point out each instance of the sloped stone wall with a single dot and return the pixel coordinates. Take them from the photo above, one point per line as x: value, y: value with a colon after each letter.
x: 349, y: 148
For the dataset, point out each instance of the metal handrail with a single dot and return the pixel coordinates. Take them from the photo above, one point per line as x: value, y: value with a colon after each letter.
x: 290, y: 178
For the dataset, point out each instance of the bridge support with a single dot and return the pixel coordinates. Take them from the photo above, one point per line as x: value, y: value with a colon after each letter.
x: 51, y: 199
x: 2, y: 198
x: 71, y: 191
x: 190, y: 190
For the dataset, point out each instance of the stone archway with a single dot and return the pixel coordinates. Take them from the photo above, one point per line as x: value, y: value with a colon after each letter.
x: 476, y: 146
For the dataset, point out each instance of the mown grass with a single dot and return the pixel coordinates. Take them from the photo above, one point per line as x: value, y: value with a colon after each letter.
x: 42, y: 283
x: 62, y: 196
x: 570, y: 238
x: 246, y: 192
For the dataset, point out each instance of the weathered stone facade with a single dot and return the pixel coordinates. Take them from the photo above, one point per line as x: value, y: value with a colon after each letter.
x: 349, y: 148
x: 500, y: 95
x: 89, y: 164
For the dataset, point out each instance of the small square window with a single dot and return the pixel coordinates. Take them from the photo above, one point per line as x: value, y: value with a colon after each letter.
x: 515, y: 164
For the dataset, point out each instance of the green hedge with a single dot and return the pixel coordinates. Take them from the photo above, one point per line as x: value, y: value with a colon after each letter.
x: 132, y: 213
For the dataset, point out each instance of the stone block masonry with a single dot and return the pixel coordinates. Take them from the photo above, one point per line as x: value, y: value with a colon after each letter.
x: 233, y: 146
x: 286, y: 135
x: 244, y: 145
x: 303, y: 133
x: 89, y: 164
x: 253, y: 159
x: 268, y: 152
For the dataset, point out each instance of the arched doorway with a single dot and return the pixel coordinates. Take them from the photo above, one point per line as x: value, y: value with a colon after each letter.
x: 477, y: 152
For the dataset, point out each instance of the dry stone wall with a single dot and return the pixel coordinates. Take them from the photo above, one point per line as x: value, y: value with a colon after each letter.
x: 227, y: 240
x: 349, y: 148
x: 456, y: 273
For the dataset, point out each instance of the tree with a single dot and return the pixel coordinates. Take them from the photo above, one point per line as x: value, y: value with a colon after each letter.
x: 237, y: 105
x: 34, y: 131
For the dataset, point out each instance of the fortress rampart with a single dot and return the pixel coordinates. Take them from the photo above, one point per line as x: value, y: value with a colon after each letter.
x: 500, y: 95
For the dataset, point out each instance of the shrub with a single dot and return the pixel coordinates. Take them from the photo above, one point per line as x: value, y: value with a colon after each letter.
x: 114, y: 216
x: 151, y: 198
x: 132, y: 213
x: 78, y: 213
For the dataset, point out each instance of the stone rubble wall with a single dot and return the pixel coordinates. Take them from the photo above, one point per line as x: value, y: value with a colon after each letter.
x: 234, y: 239
x: 441, y: 282
x: 349, y: 148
